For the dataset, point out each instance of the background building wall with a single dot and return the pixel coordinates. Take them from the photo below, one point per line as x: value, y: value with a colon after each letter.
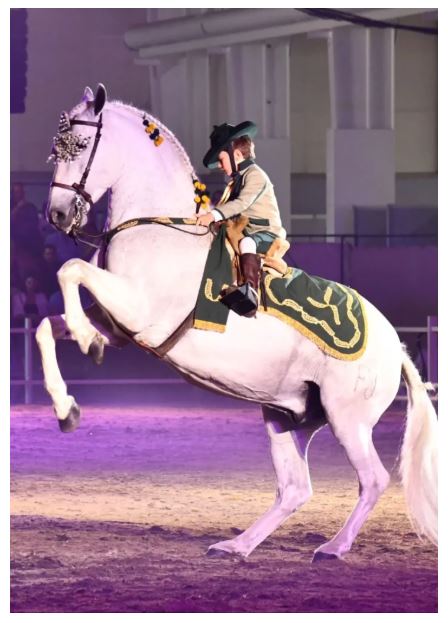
x: 415, y: 102
x: 73, y: 48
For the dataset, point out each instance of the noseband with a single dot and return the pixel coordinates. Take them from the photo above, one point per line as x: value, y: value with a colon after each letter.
x: 82, y: 196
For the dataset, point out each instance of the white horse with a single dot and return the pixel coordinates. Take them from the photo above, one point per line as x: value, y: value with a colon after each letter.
x: 150, y: 284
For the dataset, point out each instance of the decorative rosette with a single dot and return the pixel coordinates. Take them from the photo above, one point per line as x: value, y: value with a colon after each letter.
x: 153, y: 131
x: 202, y: 198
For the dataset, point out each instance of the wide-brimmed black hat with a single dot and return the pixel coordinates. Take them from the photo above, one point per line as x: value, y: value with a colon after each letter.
x: 222, y: 136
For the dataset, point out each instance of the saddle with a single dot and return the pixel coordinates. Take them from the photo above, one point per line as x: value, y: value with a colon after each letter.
x: 272, y: 261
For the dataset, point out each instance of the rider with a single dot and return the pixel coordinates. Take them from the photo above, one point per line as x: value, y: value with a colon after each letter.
x: 251, y: 192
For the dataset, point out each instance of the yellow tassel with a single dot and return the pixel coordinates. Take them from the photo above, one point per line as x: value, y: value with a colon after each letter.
x: 197, y: 184
x: 197, y: 199
x: 158, y: 140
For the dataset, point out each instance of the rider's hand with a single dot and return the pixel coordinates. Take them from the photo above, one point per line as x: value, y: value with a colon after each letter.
x: 205, y: 219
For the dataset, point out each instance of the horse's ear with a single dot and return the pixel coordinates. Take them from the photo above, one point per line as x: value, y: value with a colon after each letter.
x: 100, y: 98
x: 88, y: 95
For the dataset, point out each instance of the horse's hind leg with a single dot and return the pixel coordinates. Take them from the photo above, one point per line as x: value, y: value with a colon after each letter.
x: 288, y: 451
x: 356, y: 439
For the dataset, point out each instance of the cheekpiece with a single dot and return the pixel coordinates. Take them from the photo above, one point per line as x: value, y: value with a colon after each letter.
x: 67, y: 145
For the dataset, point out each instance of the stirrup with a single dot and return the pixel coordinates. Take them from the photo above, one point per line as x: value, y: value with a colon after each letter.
x: 243, y: 300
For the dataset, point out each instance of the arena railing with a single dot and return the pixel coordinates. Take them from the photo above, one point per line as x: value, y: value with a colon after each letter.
x: 344, y: 239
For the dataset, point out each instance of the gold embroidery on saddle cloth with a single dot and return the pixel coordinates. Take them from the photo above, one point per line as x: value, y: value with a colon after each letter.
x: 209, y: 326
x: 312, y: 320
x: 326, y: 303
x: 208, y: 291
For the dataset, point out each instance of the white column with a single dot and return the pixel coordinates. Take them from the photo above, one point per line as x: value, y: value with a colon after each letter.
x: 360, y: 143
x: 168, y: 82
x: 258, y: 90
x: 197, y: 107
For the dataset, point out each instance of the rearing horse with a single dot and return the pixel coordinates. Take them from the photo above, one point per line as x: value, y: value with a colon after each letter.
x: 147, y: 281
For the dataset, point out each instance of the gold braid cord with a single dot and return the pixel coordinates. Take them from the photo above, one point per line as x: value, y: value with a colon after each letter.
x: 327, y: 297
x: 311, y: 320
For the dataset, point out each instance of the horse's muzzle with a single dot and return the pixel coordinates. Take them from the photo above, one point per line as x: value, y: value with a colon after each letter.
x: 60, y: 218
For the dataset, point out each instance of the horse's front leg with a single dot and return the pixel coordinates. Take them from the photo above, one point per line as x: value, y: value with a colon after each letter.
x: 114, y: 293
x: 67, y: 411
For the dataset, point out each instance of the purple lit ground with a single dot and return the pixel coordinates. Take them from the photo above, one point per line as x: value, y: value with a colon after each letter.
x: 117, y: 517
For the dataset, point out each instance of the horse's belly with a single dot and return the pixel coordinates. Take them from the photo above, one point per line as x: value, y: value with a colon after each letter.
x: 260, y: 359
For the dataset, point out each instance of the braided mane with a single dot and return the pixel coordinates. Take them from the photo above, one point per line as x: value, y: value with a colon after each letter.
x: 167, y: 133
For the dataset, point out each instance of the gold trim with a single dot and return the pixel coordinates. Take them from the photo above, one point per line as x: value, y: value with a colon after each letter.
x: 209, y: 326
x: 327, y: 297
x: 315, y: 338
x: 208, y: 291
x: 126, y: 225
x: 315, y: 321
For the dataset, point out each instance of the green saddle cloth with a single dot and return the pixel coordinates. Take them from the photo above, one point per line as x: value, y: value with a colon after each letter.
x: 328, y: 313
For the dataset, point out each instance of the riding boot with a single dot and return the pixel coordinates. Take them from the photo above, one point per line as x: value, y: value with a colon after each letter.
x: 243, y: 299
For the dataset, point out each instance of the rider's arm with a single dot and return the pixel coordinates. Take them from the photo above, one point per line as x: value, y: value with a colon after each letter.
x: 255, y: 183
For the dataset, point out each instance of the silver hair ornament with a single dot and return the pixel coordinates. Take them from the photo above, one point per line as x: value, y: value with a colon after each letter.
x: 67, y: 145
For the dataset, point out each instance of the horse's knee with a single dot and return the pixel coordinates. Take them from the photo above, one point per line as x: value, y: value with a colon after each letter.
x: 70, y: 271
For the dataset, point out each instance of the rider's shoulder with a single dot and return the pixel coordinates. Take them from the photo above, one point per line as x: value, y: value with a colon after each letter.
x: 254, y: 172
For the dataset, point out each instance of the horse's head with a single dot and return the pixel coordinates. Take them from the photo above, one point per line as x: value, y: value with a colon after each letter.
x: 81, y: 173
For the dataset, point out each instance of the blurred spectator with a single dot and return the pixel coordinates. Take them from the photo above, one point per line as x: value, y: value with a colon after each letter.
x: 24, y: 221
x: 32, y: 303
x: 51, y: 265
x: 45, y: 227
x: 65, y: 246
x: 14, y: 269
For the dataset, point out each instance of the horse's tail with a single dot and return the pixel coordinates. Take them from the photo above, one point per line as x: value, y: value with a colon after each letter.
x: 418, y: 465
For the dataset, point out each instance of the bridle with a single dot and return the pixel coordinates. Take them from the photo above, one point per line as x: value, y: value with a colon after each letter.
x: 82, y: 196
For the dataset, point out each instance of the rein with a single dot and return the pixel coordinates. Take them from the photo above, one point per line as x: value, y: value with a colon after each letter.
x: 166, y: 221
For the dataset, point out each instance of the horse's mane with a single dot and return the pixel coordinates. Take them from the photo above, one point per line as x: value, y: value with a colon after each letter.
x: 167, y: 133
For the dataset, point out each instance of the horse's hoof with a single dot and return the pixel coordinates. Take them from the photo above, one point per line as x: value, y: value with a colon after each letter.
x: 214, y: 552
x: 71, y: 422
x: 96, y: 350
x: 320, y: 556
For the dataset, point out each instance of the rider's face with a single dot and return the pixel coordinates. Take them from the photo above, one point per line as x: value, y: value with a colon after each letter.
x: 224, y: 160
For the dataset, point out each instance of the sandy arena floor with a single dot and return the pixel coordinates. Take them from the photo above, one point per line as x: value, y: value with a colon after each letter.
x: 117, y: 517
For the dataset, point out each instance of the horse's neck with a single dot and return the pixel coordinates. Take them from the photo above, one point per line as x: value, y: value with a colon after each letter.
x: 152, y: 183
x: 166, y: 268
x: 165, y: 265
